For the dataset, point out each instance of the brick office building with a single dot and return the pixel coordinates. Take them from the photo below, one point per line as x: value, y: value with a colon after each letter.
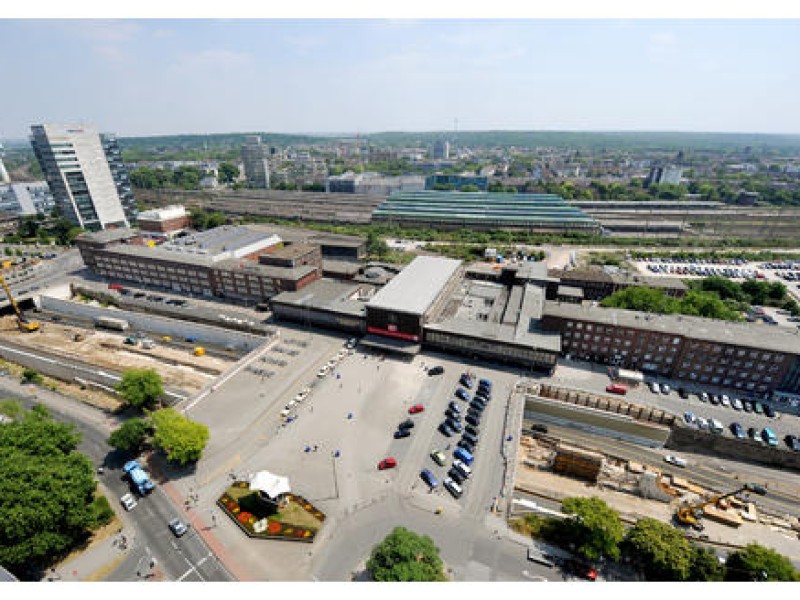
x: 750, y: 357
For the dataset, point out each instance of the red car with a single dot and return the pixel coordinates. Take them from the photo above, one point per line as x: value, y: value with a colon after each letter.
x: 617, y: 388
x: 417, y: 408
x: 387, y: 463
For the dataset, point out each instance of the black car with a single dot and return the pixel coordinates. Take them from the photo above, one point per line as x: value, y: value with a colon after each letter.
x: 472, y: 439
x: 472, y: 430
x: 769, y: 411
x: 714, y: 399
x: 456, y: 416
x: 456, y: 476
x: 454, y: 406
x: 466, y: 381
x: 683, y: 393
x: 473, y: 420
x: 444, y: 429
x: 541, y: 428
x: 455, y: 425
x: 483, y: 397
x: 463, y: 394
x: 792, y: 441
x: 402, y: 433
x: 754, y: 433
x: 477, y: 405
x: 474, y: 412
x: 462, y: 443
x: 437, y: 370
x: 747, y: 406
x: 738, y: 430
x: 407, y: 424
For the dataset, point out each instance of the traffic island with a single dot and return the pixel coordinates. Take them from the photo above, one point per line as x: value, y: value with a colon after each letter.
x: 286, y: 516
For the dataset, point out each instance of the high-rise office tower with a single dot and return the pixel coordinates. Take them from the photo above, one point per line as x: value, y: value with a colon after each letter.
x: 254, y: 157
x: 85, y: 175
x: 4, y: 178
x: 441, y: 150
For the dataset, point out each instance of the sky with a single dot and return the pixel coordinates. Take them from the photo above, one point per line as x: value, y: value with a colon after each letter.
x: 158, y: 76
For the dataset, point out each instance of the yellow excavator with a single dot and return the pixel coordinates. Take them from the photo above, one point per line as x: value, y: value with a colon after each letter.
x: 22, y: 321
x: 690, y: 514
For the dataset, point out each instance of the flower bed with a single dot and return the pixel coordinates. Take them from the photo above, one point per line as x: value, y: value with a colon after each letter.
x: 297, y: 520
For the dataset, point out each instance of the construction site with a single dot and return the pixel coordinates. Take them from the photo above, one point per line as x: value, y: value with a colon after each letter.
x: 553, y: 463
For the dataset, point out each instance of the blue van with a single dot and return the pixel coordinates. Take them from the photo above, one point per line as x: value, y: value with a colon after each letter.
x: 428, y: 478
x: 463, y: 456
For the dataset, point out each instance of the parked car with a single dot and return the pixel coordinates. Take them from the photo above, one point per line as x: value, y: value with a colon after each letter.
x: 473, y: 420
x: 462, y: 468
x: 737, y: 404
x: 451, y: 414
x: 439, y: 457
x: 387, y: 463
x: 429, y: 478
x: 407, y: 424
x: 769, y: 437
x: 456, y: 476
x: 683, y: 393
x: 445, y: 430
x: 466, y: 381
x: 463, y: 456
x: 437, y: 370
x: 665, y: 389
x: 540, y: 427
x: 654, y: 387
x: 454, y: 406
x: 714, y: 399
x: 754, y: 433
x: 472, y: 439
x: 455, y: 425
x: 703, y: 397
x: 178, y: 527
x: 465, y: 445
x: 472, y: 429
x: 793, y: 442
x: 402, y: 433
x: 463, y: 394
x: 675, y: 460
x: 769, y: 411
x: 747, y: 406
x: 702, y: 423
x: 689, y: 418
x: 477, y: 405
x: 758, y: 408
x: 738, y: 431
x: 452, y: 487
x: 725, y: 401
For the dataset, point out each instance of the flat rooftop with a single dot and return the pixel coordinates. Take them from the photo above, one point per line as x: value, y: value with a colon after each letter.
x: 766, y: 337
x: 109, y: 235
x: 248, y: 266
x: 416, y: 287
x: 292, y: 251
x: 224, y: 239
x: 329, y: 294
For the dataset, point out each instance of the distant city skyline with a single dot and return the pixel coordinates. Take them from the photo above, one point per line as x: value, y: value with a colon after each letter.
x: 162, y: 77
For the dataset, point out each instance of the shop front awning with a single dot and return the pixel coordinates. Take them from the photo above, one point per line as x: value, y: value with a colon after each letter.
x: 388, y: 344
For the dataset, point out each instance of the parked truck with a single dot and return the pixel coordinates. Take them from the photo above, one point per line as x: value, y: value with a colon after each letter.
x: 138, y: 477
x: 112, y: 323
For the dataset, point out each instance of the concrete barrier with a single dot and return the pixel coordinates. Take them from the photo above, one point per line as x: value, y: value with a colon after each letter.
x: 204, y: 334
x: 690, y: 439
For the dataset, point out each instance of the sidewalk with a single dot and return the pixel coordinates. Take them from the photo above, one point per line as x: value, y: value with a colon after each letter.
x: 100, y: 558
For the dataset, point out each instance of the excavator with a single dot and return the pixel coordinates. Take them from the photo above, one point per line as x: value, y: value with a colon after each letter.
x: 22, y: 321
x: 689, y: 514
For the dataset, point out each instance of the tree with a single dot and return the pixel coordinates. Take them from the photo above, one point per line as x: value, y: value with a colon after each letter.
x: 130, y: 436
x: 46, y: 492
x: 754, y: 562
x: 705, y: 566
x: 181, y: 440
x: 31, y: 376
x: 595, y: 528
x: 228, y: 172
x: 406, y: 556
x: 660, y: 550
x: 141, y: 388
x: 376, y: 246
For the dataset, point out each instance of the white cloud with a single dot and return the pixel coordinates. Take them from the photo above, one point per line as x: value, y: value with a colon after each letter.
x: 109, y: 39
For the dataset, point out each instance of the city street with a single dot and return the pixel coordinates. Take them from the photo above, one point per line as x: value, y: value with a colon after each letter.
x: 187, y: 558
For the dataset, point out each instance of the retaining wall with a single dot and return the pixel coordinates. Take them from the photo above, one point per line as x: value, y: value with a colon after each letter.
x: 205, y: 334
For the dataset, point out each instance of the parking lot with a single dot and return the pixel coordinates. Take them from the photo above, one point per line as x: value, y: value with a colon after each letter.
x: 595, y: 378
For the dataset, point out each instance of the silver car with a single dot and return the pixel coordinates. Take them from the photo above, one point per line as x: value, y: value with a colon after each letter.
x: 178, y: 527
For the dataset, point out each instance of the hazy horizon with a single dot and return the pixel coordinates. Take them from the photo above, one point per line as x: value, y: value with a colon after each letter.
x: 143, y: 78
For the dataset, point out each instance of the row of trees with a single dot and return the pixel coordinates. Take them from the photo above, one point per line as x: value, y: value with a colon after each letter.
x: 185, y: 177
x: 694, y: 303
x: 48, y: 502
x: 659, y: 551
x: 181, y: 439
x: 748, y: 293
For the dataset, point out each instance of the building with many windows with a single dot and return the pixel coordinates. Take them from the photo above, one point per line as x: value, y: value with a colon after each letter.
x: 256, y: 166
x: 745, y: 356
x: 85, y: 174
x: 26, y: 199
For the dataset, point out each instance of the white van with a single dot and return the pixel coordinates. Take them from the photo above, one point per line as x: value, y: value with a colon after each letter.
x: 715, y: 426
x: 462, y: 468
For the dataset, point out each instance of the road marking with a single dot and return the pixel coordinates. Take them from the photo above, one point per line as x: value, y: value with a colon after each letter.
x: 194, y: 567
x: 527, y: 575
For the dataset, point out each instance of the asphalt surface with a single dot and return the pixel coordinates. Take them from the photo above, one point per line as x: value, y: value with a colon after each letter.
x: 187, y: 558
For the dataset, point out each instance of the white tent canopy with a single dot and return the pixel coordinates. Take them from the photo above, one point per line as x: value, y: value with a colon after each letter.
x: 270, y: 484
